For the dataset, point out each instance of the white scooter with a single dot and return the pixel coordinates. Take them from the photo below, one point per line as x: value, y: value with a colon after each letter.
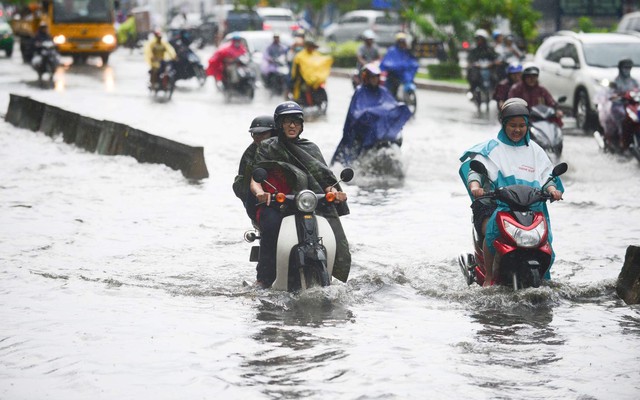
x: 306, y: 246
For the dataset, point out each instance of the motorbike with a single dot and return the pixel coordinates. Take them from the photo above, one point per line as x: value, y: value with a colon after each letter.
x: 372, y: 134
x: 188, y: 65
x: 545, y: 129
x: 523, y: 252
x: 274, y: 74
x: 630, y: 135
x: 166, y: 81
x: 46, y: 61
x: 239, y: 78
x: 398, y: 74
x: 306, y: 246
x: 481, y: 78
x: 405, y: 92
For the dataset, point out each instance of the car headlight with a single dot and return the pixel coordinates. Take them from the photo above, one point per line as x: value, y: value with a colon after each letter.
x: 526, y: 238
x: 306, y: 201
x: 59, y: 39
x: 108, y: 39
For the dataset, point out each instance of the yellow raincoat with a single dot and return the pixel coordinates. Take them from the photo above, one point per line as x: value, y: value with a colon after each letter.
x: 155, y: 51
x: 313, y: 67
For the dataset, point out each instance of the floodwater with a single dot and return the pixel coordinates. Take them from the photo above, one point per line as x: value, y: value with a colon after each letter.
x: 125, y: 280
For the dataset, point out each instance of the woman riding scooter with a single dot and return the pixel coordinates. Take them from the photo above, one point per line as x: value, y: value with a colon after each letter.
x: 510, y: 159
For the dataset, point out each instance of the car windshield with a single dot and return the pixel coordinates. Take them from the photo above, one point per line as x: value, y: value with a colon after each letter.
x: 68, y: 11
x: 607, y: 55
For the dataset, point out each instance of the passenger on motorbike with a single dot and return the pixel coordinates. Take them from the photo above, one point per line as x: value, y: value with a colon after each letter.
x: 220, y: 64
x: 262, y: 127
x: 294, y: 164
x: 481, y: 52
x: 533, y: 93
x: 622, y: 84
x: 157, y: 52
x: 514, y: 75
x: 401, y: 66
x: 510, y: 159
x: 374, y: 116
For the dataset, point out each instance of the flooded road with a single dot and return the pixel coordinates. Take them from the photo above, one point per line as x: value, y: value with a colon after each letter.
x: 124, y: 280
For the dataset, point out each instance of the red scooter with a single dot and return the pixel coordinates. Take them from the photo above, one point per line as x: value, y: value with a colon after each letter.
x: 523, y: 251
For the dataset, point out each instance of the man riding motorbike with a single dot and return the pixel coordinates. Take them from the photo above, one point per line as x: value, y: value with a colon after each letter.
x: 401, y: 66
x: 309, y: 71
x: 612, y: 123
x: 274, y: 58
x: 481, y: 52
x: 294, y: 164
x: 374, y: 117
x: 533, y: 93
x: 510, y: 159
x: 368, y: 52
x: 157, y: 52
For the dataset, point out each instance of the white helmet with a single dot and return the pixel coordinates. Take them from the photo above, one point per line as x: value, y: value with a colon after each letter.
x: 368, y: 34
x: 481, y: 33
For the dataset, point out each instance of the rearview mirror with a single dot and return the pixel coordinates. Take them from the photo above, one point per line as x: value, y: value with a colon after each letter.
x: 562, y: 99
x: 259, y: 175
x: 346, y: 175
x: 559, y: 169
x: 478, y: 167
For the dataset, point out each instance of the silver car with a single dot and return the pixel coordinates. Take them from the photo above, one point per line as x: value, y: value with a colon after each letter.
x: 351, y: 25
x: 573, y: 65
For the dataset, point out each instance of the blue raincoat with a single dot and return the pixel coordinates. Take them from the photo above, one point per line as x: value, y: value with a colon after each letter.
x: 509, y: 163
x: 374, y: 116
x: 400, y: 62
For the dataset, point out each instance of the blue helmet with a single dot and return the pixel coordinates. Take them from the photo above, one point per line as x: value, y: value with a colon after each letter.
x: 514, y: 68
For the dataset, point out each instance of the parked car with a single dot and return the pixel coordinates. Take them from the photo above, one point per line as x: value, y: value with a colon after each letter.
x: 236, y: 18
x: 630, y: 22
x: 351, y: 25
x: 277, y: 19
x: 572, y: 65
x: 6, y: 38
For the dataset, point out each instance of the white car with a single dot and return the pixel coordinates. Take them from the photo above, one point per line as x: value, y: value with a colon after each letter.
x: 351, y: 25
x: 573, y: 65
x: 280, y: 20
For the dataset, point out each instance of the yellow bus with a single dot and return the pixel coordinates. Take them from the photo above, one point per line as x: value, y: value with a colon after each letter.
x: 80, y: 28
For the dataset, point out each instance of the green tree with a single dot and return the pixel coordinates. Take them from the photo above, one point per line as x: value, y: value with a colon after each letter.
x: 454, y: 20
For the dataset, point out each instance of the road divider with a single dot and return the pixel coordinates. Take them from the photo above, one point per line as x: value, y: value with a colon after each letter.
x: 106, y: 137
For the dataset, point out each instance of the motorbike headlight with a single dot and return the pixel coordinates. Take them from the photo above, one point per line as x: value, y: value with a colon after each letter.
x: 306, y: 201
x: 108, y: 39
x: 526, y: 238
x: 59, y: 39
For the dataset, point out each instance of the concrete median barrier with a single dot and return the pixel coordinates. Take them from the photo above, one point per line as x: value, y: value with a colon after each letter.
x: 106, y: 137
x: 628, y: 285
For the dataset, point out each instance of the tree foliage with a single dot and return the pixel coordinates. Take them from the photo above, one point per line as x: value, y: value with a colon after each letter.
x: 454, y: 20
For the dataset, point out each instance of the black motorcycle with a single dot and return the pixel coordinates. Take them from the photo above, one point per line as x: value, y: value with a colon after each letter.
x: 239, y: 78
x: 46, y: 61
x: 166, y: 81
x: 188, y: 64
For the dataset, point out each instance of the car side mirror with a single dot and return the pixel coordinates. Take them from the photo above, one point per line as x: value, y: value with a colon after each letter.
x: 568, y: 62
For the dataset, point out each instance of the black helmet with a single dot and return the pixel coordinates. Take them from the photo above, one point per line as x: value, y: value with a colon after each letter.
x: 625, y: 63
x: 513, y: 107
x: 531, y: 70
x: 261, y: 124
x: 287, y: 108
